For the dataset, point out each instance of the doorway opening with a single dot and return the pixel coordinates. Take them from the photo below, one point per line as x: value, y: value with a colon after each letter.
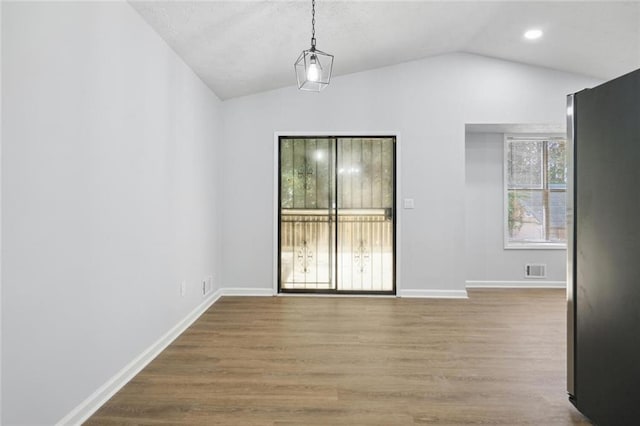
x: 336, y: 215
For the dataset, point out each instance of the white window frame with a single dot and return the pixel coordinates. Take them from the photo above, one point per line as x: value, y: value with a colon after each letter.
x: 526, y: 245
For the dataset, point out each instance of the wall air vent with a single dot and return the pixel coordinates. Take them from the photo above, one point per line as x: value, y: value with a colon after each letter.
x: 535, y: 270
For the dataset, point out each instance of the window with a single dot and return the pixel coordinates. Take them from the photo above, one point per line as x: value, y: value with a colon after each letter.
x: 535, y: 182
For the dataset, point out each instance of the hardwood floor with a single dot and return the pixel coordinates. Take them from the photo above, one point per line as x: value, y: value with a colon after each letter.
x: 496, y: 358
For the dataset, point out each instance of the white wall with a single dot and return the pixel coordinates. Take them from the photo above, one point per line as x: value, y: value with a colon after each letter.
x: 428, y: 101
x: 108, y: 197
x: 487, y: 262
x: 111, y: 193
x: 1, y: 315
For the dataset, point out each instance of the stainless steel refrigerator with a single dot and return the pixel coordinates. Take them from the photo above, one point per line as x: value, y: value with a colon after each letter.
x: 603, y: 285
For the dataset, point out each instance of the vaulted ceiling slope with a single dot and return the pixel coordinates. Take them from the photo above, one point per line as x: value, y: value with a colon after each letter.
x: 244, y: 47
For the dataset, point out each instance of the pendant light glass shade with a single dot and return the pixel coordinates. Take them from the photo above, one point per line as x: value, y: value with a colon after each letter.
x: 313, y: 67
x: 313, y: 70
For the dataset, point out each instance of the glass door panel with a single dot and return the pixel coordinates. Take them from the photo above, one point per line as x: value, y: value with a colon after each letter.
x: 306, y: 203
x: 365, y: 214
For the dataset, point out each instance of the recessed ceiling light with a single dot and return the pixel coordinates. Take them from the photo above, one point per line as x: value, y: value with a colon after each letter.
x: 533, y: 34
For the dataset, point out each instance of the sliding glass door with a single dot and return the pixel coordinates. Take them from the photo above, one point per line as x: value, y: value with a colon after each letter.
x: 336, y: 216
x: 307, y: 235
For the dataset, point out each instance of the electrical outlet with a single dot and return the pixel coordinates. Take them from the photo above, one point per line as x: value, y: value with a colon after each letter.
x: 183, y: 288
x: 204, y: 287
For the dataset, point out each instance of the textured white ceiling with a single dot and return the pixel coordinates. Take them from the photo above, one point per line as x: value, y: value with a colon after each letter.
x: 244, y: 47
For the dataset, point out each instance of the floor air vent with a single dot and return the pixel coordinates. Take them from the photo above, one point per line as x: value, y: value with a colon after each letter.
x: 535, y: 271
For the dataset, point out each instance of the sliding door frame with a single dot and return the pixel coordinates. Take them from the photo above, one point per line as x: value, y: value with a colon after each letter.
x: 276, y: 210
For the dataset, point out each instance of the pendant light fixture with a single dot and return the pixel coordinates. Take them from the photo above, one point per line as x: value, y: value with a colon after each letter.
x: 313, y: 67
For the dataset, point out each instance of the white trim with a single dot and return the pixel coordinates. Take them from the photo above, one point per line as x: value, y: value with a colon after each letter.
x: 523, y: 245
x: 90, y: 405
x: 97, y: 399
x: 435, y: 294
x: 276, y: 207
x: 399, y: 213
x: 337, y: 133
x: 516, y: 284
x: 536, y: 246
x: 374, y: 296
x: 398, y: 192
x: 1, y: 216
x: 247, y: 291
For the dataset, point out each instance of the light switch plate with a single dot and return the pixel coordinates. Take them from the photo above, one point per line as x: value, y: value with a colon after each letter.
x: 408, y: 203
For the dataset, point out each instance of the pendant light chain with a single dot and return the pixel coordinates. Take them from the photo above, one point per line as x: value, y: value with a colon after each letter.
x: 313, y: 24
x: 313, y: 67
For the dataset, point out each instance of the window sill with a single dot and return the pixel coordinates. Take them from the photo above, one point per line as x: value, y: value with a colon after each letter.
x: 536, y: 246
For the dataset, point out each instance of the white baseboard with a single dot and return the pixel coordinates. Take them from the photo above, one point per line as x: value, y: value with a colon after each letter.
x: 339, y: 295
x: 516, y: 284
x: 438, y: 294
x: 247, y: 291
x: 90, y: 405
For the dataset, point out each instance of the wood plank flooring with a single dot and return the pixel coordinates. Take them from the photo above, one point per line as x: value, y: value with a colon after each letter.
x: 496, y: 358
